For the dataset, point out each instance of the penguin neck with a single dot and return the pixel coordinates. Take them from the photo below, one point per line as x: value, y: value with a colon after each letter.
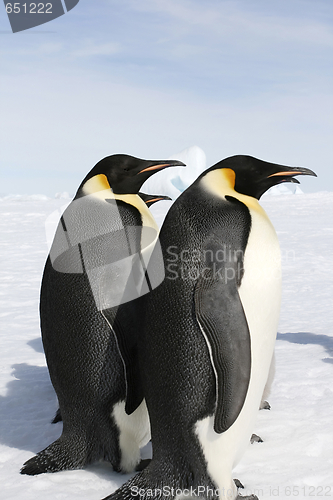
x: 96, y: 185
x: 220, y: 182
x: 135, y: 200
x: 99, y: 187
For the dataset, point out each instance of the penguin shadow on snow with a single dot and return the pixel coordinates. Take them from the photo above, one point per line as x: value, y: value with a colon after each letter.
x: 310, y: 338
x: 25, y: 418
x: 36, y: 344
x: 27, y: 408
x: 26, y: 412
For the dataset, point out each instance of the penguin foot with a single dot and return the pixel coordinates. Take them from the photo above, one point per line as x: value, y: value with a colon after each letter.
x: 238, y: 484
x: 256, y: 439
x: 264, y: 405
x: 57, y: 417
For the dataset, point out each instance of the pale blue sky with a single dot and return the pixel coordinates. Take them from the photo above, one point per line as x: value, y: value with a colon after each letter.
x: 152, y: 77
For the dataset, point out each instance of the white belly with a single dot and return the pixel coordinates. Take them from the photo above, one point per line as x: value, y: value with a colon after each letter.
x: 134, y: 433
x: 260, y: 293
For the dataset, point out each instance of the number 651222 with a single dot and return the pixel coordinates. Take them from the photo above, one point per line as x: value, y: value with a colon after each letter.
x: 29, y: 8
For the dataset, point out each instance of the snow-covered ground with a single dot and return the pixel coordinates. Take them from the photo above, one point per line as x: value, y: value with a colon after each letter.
x: 296, y: 458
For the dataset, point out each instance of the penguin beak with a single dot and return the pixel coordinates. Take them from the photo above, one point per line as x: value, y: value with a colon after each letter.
x: 159, y: 198
x: 161, y: 166
x: 149, y: 199
x: 288, y: 174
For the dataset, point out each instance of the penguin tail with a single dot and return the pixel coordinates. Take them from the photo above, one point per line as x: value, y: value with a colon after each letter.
x: 39, y: 464
x: 35, y: 466
x: 60, y: 455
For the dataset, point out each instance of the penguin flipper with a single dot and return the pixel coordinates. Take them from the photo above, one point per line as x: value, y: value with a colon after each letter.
x: 222, y: 320
x: 126, y: 332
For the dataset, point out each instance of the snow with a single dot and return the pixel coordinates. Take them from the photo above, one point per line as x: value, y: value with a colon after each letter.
x: 295, y: 459
x: 173, y: 181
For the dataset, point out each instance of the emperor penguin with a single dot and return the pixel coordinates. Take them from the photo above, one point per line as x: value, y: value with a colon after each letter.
x: 149, y: 200
x: 209, y: 331
x: 94, y: 277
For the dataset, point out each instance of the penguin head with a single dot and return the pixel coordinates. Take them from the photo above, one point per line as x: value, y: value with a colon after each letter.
x: 124, y: 174
x: 253, y: 177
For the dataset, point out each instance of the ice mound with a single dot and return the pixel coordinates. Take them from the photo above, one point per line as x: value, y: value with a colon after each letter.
x: 173, y: 181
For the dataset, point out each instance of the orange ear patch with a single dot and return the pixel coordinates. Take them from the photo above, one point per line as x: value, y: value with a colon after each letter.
x: 97, y: 183
x: 229, y: 176
x: 102, y: 182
